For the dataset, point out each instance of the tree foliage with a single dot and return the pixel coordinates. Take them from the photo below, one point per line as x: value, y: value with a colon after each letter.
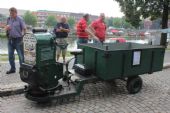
x: 30, y: 19
x: 135, y: 10
x: 51, y: 21
x: 109, y: 21
x: 118, y: 22
x: 71, y: 22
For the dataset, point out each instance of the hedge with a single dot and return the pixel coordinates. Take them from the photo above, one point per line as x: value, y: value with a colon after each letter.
x: 3, y: 35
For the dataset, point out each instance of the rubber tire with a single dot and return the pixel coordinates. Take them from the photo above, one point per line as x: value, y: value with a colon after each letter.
x: 134, y: 84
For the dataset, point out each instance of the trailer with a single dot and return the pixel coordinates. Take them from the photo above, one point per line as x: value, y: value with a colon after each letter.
x: 48, y: 80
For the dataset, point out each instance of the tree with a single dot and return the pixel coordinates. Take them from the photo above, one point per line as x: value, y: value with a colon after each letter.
x: 109, y: 21
x: 118, y: 22
x: 126, y: 24
x: 51, y: 21
x: 71, y: 22
x: 134, y: 10
x: 30, y: 19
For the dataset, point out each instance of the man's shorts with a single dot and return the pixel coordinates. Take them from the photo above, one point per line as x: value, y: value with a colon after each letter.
x: 61, y: 46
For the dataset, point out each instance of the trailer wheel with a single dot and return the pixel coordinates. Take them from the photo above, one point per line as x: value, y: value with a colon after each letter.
x: 134, y: 84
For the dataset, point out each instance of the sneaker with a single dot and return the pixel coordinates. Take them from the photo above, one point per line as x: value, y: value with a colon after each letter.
x: 10, y: 71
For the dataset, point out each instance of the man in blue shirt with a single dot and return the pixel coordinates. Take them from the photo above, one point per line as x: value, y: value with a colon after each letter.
x: 15, y: 29
x: 61, y: 31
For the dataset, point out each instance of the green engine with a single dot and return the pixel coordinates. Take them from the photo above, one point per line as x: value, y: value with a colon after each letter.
x: 40, y: 69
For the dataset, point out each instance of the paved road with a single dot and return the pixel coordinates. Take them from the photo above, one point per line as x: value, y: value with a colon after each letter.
x: 102, y: 98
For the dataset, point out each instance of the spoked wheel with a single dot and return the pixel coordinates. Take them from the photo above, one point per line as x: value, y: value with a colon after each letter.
x: 134, y: 84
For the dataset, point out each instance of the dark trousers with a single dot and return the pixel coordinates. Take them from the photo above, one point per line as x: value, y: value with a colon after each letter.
x: 15, y: 44
x: 82, y: 40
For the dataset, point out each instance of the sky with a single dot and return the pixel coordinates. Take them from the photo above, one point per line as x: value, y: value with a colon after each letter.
x: 95, y: 7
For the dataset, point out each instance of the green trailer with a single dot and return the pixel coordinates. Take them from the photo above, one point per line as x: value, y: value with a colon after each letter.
x: 119, y: 60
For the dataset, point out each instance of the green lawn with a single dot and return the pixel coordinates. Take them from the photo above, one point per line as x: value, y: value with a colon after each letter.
x: 4, y: 57
x: 3, y: 35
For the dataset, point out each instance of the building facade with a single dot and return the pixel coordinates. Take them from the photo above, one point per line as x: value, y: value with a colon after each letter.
x: 42, y: 15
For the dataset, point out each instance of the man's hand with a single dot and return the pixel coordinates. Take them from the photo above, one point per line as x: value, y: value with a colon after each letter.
x: 7, y: 27
x: 62, y: 29
x: 65, y: 30
x: 58, y: 30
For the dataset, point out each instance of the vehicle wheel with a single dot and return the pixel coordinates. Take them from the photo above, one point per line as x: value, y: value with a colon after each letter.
x: 134, y: 84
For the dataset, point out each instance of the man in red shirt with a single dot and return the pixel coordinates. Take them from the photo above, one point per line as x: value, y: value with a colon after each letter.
x: 98, y: 27
x: 81, y: 29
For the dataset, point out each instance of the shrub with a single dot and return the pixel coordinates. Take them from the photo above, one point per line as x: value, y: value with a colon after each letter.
x: 3, y: 35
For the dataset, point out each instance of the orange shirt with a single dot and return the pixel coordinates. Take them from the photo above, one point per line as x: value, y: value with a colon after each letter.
x: 100, y: 28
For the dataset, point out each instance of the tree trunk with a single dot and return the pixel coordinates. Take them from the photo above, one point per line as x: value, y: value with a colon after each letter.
x: 164, y: 22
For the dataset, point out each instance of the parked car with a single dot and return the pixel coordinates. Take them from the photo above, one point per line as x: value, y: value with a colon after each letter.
x: 116, y: 40
x: 132, y: 34
x: 142, y: 34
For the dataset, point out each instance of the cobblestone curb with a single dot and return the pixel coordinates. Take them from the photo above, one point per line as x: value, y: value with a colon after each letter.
x: 12, y: 89
x: 18, y: 88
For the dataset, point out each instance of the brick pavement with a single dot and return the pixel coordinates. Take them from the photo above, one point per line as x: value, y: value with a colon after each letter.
x: 103, y: 98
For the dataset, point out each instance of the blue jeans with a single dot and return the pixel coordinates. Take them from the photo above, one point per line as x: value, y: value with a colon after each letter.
x: 97, y: 42
x: 15, y: 44
x: 82, y: 40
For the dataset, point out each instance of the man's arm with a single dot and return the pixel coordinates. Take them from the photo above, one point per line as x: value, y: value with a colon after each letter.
x: 7, y: 27
x: 24, y: 30
x: 65, y: 30
x: 58, y: 29
x: 90, y: 30
x: 23, y: 26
